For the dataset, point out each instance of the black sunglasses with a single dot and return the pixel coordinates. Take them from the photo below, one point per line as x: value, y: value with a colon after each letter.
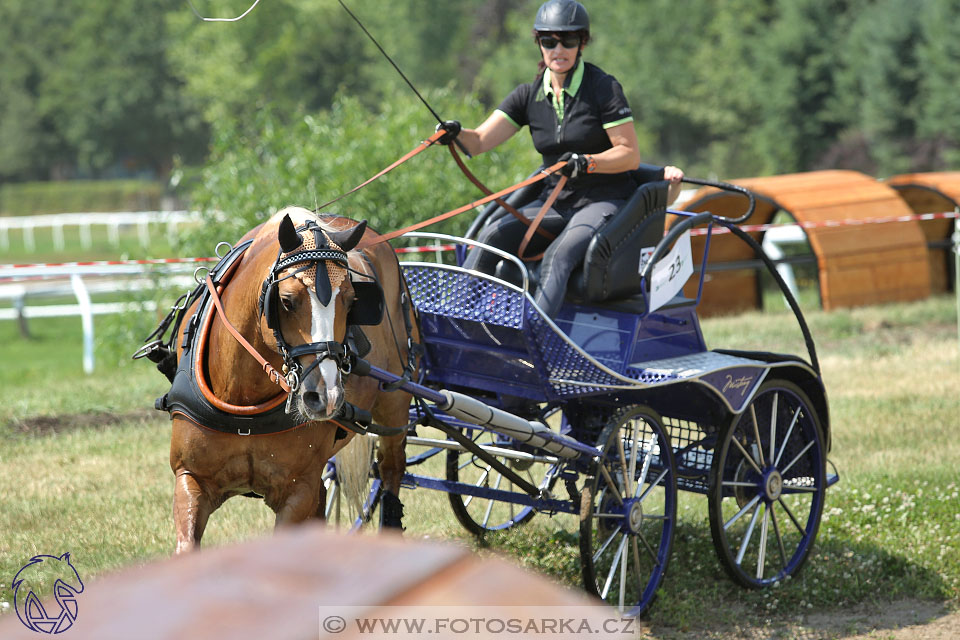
x: 568, y: 40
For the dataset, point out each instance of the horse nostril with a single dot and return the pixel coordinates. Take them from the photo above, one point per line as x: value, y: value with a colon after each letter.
x: 313, y: 401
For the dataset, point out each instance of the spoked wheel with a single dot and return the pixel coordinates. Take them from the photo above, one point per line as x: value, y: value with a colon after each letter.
x: 338, y: 513
x: 768, y: 486
x: 480, y: 514
x: 628, y: 512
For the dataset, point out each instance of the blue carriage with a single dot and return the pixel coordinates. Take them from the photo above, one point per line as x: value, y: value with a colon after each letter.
x: 609, y: 409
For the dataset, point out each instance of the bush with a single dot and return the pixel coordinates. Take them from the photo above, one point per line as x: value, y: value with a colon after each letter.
x: 258, y: 167
x: 80, y: 196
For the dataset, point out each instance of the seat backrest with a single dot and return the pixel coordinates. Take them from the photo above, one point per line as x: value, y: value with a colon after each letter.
x: 611, y: 266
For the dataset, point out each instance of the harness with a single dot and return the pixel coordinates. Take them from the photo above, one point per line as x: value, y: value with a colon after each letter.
x: 322, y: 265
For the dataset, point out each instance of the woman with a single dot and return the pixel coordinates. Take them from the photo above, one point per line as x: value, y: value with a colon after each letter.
x: 578, y: 114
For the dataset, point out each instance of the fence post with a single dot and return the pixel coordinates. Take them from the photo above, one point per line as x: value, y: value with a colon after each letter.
x: 85, y: 240
x: 144, y: 232
x: 58, y: 242
x: 28, y: 241
x: 19, y: 304
x: 956, y: 272
x: 86, y: 314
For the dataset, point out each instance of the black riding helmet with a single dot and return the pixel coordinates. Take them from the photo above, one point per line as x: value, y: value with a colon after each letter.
x: 561, y: 15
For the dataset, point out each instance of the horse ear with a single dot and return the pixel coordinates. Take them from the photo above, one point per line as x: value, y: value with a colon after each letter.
x: 288, y: 236
x: 348, y: 238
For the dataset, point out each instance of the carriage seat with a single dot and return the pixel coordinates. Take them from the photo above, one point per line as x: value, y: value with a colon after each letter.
x: 611, y: 266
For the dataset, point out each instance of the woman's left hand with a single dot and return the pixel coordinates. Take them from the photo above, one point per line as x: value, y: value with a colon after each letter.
x: 673, y: 174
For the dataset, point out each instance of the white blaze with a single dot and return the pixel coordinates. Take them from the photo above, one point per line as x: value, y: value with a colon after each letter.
x: 321, y: 330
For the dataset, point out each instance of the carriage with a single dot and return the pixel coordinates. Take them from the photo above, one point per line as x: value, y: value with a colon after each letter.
x: 609, y: 409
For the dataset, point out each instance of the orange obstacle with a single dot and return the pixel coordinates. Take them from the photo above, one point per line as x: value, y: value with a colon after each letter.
x: 858, y: 264
x: 286, y: 586
x: 933, y: 193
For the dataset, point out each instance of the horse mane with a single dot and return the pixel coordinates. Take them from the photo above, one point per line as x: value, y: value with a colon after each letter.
x: 300, y: 215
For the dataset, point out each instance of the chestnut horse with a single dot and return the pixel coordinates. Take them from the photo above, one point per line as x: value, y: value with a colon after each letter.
x: 309, y: 303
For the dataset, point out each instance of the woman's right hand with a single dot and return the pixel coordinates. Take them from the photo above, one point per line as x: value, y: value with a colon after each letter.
x: 451, y: 128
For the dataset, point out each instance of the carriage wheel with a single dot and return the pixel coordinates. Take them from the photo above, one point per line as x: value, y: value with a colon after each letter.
x: 336, y: 511
x: 628, y: 512
x: 767, y: 486
x: 479, y: 515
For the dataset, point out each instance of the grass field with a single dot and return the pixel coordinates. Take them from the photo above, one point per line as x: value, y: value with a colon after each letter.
x: 83, y: 468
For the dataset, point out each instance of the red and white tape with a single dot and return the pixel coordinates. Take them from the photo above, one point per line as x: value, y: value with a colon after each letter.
x: 752, y: 228
x: 449, y: 247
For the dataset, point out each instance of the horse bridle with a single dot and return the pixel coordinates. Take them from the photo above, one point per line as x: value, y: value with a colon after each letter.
x: 368, y: 306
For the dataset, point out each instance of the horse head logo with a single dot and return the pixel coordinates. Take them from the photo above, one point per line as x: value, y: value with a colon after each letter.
x: 66, y: 586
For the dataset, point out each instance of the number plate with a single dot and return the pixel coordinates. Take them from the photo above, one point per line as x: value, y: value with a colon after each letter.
x: 671, y: 272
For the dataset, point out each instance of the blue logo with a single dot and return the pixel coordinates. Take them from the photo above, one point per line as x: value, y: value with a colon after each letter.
x: 66, y: 586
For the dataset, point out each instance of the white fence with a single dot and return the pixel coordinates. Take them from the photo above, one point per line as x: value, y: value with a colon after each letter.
x: 57, y: 222
x: 45, y: 281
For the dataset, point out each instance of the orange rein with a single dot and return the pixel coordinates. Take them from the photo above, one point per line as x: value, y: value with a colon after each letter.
x: 275, y: 375
x: 476, y: 203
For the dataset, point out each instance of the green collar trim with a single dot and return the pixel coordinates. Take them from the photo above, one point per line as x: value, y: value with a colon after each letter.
x: 570, y: 87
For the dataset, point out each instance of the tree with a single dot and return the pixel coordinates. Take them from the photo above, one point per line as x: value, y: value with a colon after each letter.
x: 264, y: 163
x: 938, y: 110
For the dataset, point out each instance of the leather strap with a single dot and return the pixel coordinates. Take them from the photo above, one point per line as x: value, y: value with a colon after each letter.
x: 537, y: 220
x: 366, y: 242
x: 429, y: 142
x: 503, y: 203
x: 267, y: 367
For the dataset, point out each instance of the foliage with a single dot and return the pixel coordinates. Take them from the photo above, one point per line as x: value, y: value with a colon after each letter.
x: 259, y: 166
x: 733, y: 88
x: 89, y: 90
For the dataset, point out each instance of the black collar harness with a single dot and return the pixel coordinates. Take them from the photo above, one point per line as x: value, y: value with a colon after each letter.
x: 318, y: 255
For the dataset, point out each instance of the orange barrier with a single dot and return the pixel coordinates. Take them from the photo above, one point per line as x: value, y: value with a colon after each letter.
x: 280, y: 587
x: 931, y: 193
x: 858, y: 264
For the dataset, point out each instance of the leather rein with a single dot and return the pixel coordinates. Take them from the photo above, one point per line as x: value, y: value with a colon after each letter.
x: 533, y: 226
x: 291, y: 381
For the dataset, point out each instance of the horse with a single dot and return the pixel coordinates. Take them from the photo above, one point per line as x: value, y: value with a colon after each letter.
x: 292, y: 295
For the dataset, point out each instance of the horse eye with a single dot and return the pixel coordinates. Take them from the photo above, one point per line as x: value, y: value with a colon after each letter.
x: 288, y: 303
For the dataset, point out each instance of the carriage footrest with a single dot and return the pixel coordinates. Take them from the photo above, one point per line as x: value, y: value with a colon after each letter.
x: 687, y: 367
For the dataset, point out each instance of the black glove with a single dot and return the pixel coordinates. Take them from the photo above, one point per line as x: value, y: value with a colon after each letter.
x: 577, y: 164
x: 452, y: 129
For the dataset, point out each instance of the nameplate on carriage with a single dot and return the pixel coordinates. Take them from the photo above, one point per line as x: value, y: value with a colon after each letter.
x: 671, y: 272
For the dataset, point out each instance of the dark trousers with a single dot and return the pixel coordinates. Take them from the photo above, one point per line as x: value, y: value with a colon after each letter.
x: 574, y: 232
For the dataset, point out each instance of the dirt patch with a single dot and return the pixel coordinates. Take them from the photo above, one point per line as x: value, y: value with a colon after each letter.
x: 48, y: 425
x: 902, y: 620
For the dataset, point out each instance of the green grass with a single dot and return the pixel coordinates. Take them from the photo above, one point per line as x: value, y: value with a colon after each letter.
x: 99, y: 485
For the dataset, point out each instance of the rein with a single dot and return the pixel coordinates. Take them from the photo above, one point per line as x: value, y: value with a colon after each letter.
x: 467, y: 207
x: 268, y: 368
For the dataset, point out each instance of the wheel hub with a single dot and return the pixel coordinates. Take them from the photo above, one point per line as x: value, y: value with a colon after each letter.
x: 773, y: 486
x: 634, y: 512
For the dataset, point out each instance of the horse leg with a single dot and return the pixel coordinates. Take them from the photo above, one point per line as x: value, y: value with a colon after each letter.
x: 191, y: 509
x: 392, y: 462
x: 302, y: 501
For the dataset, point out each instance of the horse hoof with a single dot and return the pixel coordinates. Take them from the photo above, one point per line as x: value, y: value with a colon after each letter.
x: 391, y: 511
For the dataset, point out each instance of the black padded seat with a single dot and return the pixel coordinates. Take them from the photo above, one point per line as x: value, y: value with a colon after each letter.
x: 611, y: 266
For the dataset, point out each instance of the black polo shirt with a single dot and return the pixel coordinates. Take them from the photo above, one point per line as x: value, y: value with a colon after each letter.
x: 593, y: 101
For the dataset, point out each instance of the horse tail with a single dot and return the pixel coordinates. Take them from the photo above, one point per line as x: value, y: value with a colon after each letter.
x: 353, y: 463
